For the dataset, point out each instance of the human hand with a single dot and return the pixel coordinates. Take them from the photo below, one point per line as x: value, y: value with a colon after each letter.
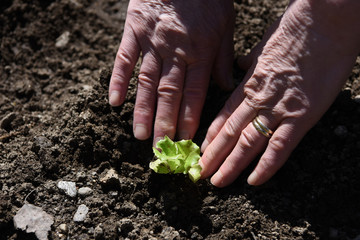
x: 181, y: 43
x: 293, y: 76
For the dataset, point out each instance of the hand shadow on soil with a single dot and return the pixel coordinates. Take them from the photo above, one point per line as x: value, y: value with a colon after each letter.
x: 319, y: 186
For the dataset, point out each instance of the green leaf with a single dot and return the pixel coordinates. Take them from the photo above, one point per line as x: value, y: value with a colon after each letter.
x: 177, y: 157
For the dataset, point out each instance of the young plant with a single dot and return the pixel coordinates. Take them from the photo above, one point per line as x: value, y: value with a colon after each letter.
x: 177, y: 157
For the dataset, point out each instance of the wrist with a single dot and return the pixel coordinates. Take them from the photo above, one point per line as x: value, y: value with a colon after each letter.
x: 336, y: 20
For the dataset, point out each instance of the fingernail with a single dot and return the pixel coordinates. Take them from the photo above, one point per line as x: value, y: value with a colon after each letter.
x: 202, y: 167
x: 253, y: 178
x: 217, y: 179
x: 114, y: 98
x: 141, y: 132
x: 201, y: 163
x: 204, y: 145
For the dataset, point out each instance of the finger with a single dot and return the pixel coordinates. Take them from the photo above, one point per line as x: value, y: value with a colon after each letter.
x: 222, y: 70
x: 194, y: 94
x: 169, y: 98
x: 230, y: 106
x: 280, y: 146
x: 251, y: 143
x: 225, y: 141
x: 125, y: 61
x: 146, y: 96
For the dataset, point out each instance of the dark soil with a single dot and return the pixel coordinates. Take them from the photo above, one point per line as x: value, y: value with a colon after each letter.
x: 56, y: 125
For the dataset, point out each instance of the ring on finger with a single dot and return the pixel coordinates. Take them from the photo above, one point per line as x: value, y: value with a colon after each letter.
x: 261, y: 128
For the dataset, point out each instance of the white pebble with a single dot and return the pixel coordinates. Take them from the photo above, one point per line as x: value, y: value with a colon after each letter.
x: 81, y: 212
x: 34, y: 220
x: 63, y: 228
x: 62, y: 40
x: 85, y: 191
x: 68, y: 187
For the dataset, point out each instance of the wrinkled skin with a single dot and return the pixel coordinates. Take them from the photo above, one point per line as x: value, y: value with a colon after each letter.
x: 292, y: 78
x: 180, y: 48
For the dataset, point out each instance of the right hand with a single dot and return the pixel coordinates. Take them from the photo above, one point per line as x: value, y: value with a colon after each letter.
x: 294, y: 75
x: 182, y: 42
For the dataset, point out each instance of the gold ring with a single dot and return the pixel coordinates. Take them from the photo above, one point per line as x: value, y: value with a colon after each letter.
x: 261, y: 128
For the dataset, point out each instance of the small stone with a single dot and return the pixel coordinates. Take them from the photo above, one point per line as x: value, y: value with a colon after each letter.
x: 110, y: 178
x: 98, y: 232
x: 68, y: 187
x: 84, y: 191
x: 6, y: 121
x: 113, y: 193
x: 33, y: 219
x: 63, y: 228
x: 63, y: 40
x: 341, y: 131
x: 81, y: 213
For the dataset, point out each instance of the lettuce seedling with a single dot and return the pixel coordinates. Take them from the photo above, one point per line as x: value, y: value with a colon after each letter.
x: 177, y: 157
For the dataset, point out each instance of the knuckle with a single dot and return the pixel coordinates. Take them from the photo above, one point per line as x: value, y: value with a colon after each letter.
x: 247, y: 140
x: 256, y: 101
x: 277, y: 143
x: 125, y: 58
x: 230, y: 128
x: 169, y: 91
x: 146, y: 81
